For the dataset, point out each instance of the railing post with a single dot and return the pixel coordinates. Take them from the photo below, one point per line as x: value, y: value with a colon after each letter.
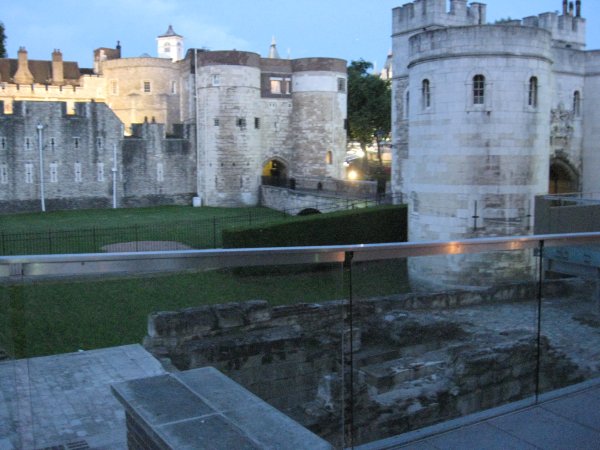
x: 214, y: 232
x: 538, y: 359
x: 348, y: 421
x: 137, y: 237
x: 49, y: 241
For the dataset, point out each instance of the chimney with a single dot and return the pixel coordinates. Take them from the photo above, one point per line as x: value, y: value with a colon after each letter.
x: 571, y: 8
x: 578, y: 8
x: 23, y: 74
x: 565, y: 7
x: 58, y: 76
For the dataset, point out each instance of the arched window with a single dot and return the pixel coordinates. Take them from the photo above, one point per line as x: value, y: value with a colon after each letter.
x: 407, y: 105
x: 576, y: 103
x: 533, y: 92
x: 478, y: 90
x: 425, y: 94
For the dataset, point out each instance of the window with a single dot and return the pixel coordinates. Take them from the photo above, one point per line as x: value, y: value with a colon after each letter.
x: 478, y: 90
x: 114, y: 87
x: 216, y: 80
x: 341, y: 85
x: 78, y: 172
x: 3, y: 143
x: 99, y: 143
x: 53, y: 172
x: 76, y: 142
x: 27, y: 143
x: 147, y: 87
x: 216, y: 122
x: 100, y: 171
x: 576, y: 103
x: 173, y: 87
x: 241, y: 122
x: 280, y: 85
x: 329, y: 157
x: 3, y: 174
x: 52, y: 144
x: 167, y: 47
x: 28, y: 173
x: 533, y: 92
x: 425, y: 94
x: 160, y: 176
x: 407, y: 105
x: 257, y: 122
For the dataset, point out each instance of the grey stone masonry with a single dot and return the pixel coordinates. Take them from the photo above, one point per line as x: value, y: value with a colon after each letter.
x: 202, y: 408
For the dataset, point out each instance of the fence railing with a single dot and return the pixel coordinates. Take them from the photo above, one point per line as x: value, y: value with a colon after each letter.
x: 370, y: 354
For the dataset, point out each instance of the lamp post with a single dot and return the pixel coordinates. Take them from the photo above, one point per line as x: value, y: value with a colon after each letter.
x: 40, y: 127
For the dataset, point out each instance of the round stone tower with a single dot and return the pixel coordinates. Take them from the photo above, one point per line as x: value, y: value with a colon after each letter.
x: 319, y: 113
x: 228, y: 117
x: 477, y: 149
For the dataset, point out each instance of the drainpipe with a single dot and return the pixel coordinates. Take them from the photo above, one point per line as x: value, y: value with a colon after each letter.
x: 114, y: 177
x: 40, y: 127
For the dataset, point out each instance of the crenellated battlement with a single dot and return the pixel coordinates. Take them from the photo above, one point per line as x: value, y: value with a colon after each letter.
x: 436, y: 13
x: 567, y: 28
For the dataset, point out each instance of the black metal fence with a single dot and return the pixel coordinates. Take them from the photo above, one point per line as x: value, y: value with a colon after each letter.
x: 196, y: 234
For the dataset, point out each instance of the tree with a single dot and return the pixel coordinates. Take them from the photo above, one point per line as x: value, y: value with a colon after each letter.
x: 2, y: 42
x: 369, y: 105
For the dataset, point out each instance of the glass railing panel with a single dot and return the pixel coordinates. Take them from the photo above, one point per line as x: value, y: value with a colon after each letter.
x: 445, y: 337
x: 570, y: 316
x: 10, y: 323
x: 278, y: 330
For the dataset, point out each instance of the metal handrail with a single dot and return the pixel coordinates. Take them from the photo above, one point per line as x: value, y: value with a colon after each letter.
x: 74, y: 265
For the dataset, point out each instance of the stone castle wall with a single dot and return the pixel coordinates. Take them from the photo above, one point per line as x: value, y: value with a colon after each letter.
x: 414, y: 363
x: 78, y: 153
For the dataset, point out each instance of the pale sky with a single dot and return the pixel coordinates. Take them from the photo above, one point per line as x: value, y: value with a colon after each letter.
x: 347, y: 29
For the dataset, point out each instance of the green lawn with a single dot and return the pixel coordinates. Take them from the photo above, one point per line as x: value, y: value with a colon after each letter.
x: 87, y: 231
x: 57, y: 317
x: 50, y: 317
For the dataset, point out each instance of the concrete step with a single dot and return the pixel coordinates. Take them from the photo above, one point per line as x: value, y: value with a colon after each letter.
x: 373, y: 355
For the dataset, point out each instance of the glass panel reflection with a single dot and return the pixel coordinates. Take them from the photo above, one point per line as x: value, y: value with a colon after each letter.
x: 437, y: 353
x: 276, y: 330
x: 570, y: 316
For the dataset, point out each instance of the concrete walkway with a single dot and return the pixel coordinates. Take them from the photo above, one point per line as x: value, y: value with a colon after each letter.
x: 65, y: 401
x: 563, y: 420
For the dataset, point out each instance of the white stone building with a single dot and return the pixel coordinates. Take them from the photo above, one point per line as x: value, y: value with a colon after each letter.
x: 244, y: 116
x: 487, y: 116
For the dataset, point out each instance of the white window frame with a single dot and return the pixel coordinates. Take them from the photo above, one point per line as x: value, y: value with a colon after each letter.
x: 146, y: 86
x: 77, y: 170
x: 53, y: 172
x: 28, y: 173
x: 215, y: 79
x: 3, y: 174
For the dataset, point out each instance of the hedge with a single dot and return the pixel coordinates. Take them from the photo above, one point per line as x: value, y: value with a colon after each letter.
x: 363, y: 226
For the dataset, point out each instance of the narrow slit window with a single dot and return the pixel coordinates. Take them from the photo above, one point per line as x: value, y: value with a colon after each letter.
x: 533, y: 92
x: 576, y: 103
x: 426, y: 94
x: 478, y: 90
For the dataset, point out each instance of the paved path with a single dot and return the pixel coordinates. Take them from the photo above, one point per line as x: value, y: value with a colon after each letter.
x: 66, y: 399
x: 570, y: 421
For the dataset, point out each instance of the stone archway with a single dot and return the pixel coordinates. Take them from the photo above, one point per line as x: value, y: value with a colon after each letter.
x: 275, y: 173
x: 564, y: 178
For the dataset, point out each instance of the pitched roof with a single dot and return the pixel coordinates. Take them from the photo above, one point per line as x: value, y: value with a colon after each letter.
x: 41, y: 71
x: 170, y: 32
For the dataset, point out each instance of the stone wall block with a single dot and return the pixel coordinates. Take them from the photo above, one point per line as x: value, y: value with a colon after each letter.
x: 256, y: 311
x: 229, y: 315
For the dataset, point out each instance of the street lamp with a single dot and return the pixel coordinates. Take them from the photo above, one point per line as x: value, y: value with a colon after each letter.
x: 40, y: 127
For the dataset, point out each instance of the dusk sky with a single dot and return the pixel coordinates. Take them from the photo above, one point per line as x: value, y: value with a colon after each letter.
x: 348, y: 29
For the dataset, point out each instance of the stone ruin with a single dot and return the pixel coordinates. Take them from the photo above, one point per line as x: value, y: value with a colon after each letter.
x: 416, y: 359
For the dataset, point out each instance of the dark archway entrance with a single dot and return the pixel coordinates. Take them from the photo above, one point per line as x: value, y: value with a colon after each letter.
x: 275, y: 173
x: 564, y: 179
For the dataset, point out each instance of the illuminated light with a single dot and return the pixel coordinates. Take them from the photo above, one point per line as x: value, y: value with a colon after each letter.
x: 352, y: 175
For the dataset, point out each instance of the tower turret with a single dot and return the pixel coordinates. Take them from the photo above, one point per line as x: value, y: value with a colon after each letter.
x: 273, y: 53
x: 170, y: 45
